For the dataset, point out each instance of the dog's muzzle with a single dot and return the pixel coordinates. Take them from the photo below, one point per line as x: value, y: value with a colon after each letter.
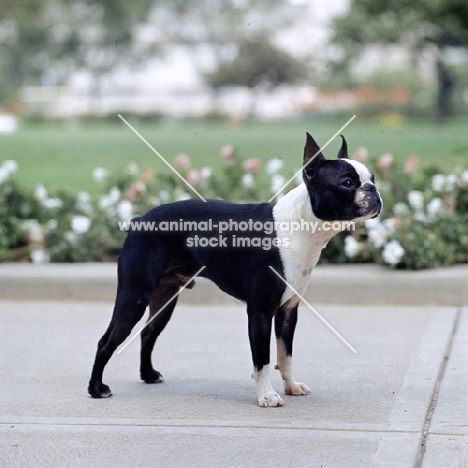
x: 369, y: 200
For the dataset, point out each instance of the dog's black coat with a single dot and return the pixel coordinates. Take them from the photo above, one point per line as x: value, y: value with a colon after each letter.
x: 153, y: 265
x: 235, y: 270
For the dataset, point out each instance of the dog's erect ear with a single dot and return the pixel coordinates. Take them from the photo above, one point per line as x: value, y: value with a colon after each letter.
x: 313, y: 157
x: 343, y: 153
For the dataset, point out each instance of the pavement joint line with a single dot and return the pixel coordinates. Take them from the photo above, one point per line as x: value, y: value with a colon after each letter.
x: 435, y: 393
x: 129, y: 340
x: 221, y: 426
x: 311, y: 159
x: 314, y: 311
x: 162, y: 158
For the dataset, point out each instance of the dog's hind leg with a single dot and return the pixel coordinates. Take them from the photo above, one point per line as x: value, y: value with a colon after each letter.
x: 160, y: 314
x: 129, y: 308
x: 137, y: 282
x: 285, y: 325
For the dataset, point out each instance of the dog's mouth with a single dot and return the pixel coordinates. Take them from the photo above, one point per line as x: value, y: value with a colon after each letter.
x: 379, y: 209
x: 373, y: 208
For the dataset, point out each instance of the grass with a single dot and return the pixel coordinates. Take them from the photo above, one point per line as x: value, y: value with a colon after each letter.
x: 62, y: 157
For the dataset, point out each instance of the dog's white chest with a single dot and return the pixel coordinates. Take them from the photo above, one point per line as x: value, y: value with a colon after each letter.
x: 299, y: 249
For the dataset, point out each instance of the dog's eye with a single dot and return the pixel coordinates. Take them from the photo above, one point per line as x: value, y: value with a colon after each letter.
x: 347, y: 183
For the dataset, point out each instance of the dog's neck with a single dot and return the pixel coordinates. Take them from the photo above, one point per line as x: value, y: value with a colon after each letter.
x: 303, y: 246
x: 296, y: 206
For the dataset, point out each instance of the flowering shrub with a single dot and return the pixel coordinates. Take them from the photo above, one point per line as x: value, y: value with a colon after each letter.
x: 423, y: 223
x: 424, y: 220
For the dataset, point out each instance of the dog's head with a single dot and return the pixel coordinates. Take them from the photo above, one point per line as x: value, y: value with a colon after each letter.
x: 341, y: 189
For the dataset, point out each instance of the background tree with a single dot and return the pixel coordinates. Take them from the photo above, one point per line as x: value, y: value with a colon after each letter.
x: 232, y: 34
x: 45, y: 41
x: 234, y: 43
x: 256, y: 62
x: 417, y: 24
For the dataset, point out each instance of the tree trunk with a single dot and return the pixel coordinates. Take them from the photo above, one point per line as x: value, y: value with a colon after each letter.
x: 444, y: 90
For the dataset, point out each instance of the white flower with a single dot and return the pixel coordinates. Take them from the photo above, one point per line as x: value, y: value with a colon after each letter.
x: 40, y: 192
x: 7, y: 168
x: 434, y: 207
x: 247, y: 180
x: 80, y: 224
x: 388, y: 225
x: 124, y: 210
x: 441, y: 183
x: 34, y: 230
x: 400, y: 209
x: 376, y: 232
x: 377, y: 237
x: 352, y: 247
x: 83, y: 198
x: 464, y: 177
x: 450, y: 182
x: 132, y: 168
x: 277, y: 181
x: 274, y: 165
x: 39, y: 256
x: 416, y: 200
x: 105, y: 202
x: 52, y: 203
x: 393, y: 252
x: 114, y: 194
x: 83, y: 202
x: 99, y: 174
x: 373, y: 223
x: 10, y: 166
x: 438, y: 183
x: 108, y: 201
x: 206, y: 172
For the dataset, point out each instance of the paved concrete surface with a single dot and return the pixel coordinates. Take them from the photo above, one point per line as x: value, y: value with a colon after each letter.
x: 401, y: 401
x: 366, y: 284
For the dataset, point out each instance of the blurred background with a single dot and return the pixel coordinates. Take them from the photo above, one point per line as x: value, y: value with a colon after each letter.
x: 209, y: 82
x: 241, y: 59
x: 232, y: 62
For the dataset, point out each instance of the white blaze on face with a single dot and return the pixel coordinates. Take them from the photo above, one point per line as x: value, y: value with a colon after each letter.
x: 362, y: 171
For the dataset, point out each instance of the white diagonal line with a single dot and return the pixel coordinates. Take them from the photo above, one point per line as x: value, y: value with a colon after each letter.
x: 159, y: 311
x: 162, y: 159
x: 311, y: 159
x: 314, y: 311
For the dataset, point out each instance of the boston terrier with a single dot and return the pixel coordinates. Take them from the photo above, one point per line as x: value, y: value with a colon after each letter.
x: 155, y: 263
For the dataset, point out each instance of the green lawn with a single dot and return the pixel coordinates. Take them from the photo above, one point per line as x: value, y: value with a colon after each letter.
x: 63, y: 156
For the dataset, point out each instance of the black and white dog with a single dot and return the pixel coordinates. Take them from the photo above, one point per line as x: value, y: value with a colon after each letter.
x: 153, y: 265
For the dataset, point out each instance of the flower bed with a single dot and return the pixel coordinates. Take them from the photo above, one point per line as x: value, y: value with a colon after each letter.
x: 423, y: 224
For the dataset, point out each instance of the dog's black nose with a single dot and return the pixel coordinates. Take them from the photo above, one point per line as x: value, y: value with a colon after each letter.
x: 369, y: 188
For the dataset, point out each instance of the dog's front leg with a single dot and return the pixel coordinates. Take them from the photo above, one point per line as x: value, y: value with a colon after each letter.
x: 285, y: 325
x: 260, y: 323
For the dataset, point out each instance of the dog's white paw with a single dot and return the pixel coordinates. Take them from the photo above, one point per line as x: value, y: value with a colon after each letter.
x: 270, y: 400
x: 266, y: 395
x: 296, y: 388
